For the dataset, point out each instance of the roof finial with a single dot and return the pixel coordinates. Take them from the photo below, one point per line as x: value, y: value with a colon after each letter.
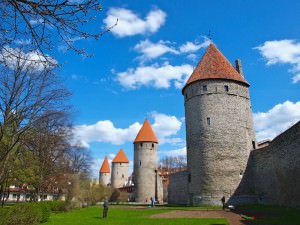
x: 209, y: 35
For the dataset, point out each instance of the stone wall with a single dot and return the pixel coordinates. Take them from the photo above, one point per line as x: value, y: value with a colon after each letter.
x: 273, y: 172
x: 177, y: 189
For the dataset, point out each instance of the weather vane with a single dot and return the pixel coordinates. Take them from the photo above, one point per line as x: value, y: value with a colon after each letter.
x: 209, y: 35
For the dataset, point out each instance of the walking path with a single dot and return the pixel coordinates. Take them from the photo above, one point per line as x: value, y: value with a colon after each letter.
x: 233, y: 218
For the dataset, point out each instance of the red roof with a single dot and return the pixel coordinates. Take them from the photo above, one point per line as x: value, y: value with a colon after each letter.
x: 146, y: 134
x: 105, y: 166
x: 120, y: 157
x: 214, y: 65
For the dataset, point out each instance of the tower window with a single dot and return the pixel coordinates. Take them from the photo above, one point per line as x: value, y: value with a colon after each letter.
x: 253, y: 144
x: 140, y: 162
x: 141, y: 144
x: 208, y: 120
x: 204, y: 87
x: 152, y: 145
x: 189, y: 178
x: 226, y: 88
x: 120, y: 164
x: 122, y: 175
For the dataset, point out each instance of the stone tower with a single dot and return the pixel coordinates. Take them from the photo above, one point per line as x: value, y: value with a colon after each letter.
x: 104, y: 173
x: 120, y: 166
x: 146, y: 179
x: 219, y: 128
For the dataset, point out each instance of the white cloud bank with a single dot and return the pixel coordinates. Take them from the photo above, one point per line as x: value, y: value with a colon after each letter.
x: 278, y: 119
x: 150, y: 50
x: 155, y: 76
x: 164, y: 126
x: 32, y: 59
x: 129, y: 23
x: 285, y: 52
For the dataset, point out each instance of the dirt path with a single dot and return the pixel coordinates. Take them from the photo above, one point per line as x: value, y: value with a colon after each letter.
x: 233, y: 218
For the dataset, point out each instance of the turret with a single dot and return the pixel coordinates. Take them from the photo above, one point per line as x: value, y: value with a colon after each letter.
x: 219, y: 128
x: 104, y: 173
x: 120, y: 166
x: 146, y: 179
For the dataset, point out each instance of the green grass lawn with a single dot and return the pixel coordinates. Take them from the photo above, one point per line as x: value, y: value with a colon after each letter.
x: 262, y: 214
x: 123, y: 216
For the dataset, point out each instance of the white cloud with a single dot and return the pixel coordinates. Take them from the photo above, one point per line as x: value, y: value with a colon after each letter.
x: 175, y: 152
x: 273, y: 122
x: 105, y: 131
x: 283, y: 51
x: 193, y: 47
x: 130, y: 23
x: 155, y: 76
x: 152, y: 50
x: 164, y: 126
x: 33, y: 59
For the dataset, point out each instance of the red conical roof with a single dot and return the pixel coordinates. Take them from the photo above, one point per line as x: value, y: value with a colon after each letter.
x: 105, y: 166
x: 214, y: 65
x: 146, y: 134
x: 120, y: 157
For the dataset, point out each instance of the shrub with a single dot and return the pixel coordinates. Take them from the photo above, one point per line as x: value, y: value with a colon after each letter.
x: 3, y: 214
x: 45, y: 210
x: 114, y: 196
x: 23, y: 214
x: 57, y: 206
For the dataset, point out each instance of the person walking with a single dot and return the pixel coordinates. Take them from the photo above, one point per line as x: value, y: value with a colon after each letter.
x: 223, y: 202
x: 152, y: 202
x: 105, y: 207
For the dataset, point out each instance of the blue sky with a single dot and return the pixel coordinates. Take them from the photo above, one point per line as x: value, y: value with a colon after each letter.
x: 138, y: 69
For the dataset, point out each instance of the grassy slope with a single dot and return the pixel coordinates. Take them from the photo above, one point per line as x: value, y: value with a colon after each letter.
x: 117, y: 216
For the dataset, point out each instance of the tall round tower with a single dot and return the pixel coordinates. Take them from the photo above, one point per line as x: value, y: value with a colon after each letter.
x: 219, y: 128
x: 104, y: 173
x: 120, y: 166
x: 145, y: 164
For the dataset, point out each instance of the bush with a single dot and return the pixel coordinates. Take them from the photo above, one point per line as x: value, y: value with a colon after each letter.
x: 45, y: 210
x: 27, y: 214
x: 23, y: 214
x: 114, y: 196
x: 3, y: 214
x: 57, y: 206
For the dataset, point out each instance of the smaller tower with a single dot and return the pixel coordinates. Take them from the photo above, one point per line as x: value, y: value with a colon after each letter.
x: 146, y: 178
x: 120, y: 166
x: 104, y: 173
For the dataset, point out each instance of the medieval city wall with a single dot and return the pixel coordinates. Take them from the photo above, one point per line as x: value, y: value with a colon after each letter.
x: 177, y: 189
x: 273, y: 173
x: 277, y: 169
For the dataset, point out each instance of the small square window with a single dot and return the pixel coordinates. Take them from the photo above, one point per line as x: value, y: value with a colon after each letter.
x: 204, y: 87
x: 226, y: 88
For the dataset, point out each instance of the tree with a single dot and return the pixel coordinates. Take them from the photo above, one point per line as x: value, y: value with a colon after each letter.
x: 35, y: 23
x: 28, y: 95
x: 173, y: 162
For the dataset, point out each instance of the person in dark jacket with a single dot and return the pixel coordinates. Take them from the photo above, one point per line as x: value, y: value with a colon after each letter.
x: 105, y: 208
x: 223, y: 202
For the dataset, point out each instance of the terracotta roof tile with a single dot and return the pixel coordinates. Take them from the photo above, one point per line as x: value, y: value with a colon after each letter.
x: 121, y: 157
x: 105, y: 166
x: 146, y: 134
x: 214, y: 65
